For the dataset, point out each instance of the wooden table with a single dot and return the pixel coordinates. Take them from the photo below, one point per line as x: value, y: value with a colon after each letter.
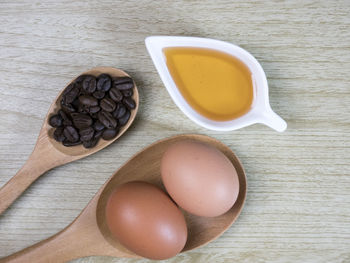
x: 298, y: 203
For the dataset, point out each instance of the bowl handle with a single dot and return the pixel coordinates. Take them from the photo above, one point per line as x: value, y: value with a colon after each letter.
x: 271, y: 119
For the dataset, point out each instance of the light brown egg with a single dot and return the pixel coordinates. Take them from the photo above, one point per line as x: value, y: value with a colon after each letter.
x: 199, y: 178
x: 146, y: 221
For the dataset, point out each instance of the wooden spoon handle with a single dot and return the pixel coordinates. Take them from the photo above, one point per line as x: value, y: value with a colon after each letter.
x: 62, y: 247
x: 36, y: 165
x: 81, y: 238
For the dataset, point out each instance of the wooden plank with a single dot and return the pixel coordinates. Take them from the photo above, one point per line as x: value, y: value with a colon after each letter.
x: 298, y: 203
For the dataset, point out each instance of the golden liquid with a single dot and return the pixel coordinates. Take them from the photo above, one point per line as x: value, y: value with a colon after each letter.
x: 215, y: 84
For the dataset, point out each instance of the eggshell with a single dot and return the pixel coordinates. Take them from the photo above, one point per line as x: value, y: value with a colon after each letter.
x: 146, y: 221
x: 199, y: 178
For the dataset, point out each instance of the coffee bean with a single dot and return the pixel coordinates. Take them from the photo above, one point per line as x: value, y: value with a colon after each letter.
x: 89, y: 84
x: 80, y: 79
x: 107, y: 104
x: 67, y: 108
x: 94, y: 109
x: 127, y: 93
x: 124, y: 86
x: 56, y: 121
x: 109, y: 134
x: 58, y: 135
x: 69, y: 144
x: 81, y: 120
x: 66, y: 120
x: 79, y: 85
x: 86, y: 134
x: 70, y: 93
x: 116, y: 94
x: 98, y: 134
x: 122, y: 80
x: 68, y: 89
x: 119, y: 111
x: 129, y: 103
x: 88, y: 100
x: 104, y: 82
x: 124, y: 119
x: 71, y: 134
x: 98, y: 126
x: 99, y: 94
x: 107, y: 119
x: 123, y: 83
x: 90, y: 144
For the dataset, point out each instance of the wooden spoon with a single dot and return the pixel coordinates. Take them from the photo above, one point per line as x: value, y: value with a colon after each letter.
x: 88, y: 234
x: 49, y: 153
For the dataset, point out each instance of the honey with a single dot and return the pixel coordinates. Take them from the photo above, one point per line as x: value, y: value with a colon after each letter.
x: 215, y: 84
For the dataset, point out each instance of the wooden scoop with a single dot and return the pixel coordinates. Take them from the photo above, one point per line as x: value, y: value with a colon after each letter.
x: 88, y: 235
x: 49, y: 153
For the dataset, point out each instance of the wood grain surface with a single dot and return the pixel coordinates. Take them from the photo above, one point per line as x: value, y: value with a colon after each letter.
x: 298, y: 202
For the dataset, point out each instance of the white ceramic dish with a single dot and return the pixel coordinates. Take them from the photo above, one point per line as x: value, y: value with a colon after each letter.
x: 260, y: 111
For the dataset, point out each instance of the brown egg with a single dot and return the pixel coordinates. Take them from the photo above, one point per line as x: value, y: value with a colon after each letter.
x: 146, y: 221
x: 199, y: 178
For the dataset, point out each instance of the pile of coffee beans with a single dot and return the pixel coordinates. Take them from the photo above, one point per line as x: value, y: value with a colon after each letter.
x: 93, y: 108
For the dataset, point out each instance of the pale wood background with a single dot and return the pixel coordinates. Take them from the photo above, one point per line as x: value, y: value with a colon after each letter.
x: 298, y: 204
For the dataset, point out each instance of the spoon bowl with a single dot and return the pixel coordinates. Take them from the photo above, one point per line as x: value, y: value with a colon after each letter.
x: 48, y: 153
x: 89, y: 235
x: 80, y: 150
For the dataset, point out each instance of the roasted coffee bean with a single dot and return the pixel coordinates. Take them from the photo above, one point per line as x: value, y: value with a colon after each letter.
x: 58, y: 134
x: 71, y: 134
x: 69, y: 144
x: 80, y: 79
x: 124, y: 86
x: 56, y: 120
x: 107, y: 119
x: 67, y: 108
x: 127, y: 92
x: 98, y: 126
x: 81, y: 120
x: 89, y: 84
x: 104, y: 82
x: 68, y: 89
x: 90, y: 144
x: 124, y: 119
x: 116, y: 94
x: 79, y: 85
x: 88, y: 100
x: 94, y: 109
x: 123, y: 83
x: 108, y: 104
x: 86, y: 134
x: 129, y: 103
x: 109, y: 134
x: 119, y: 111
x: 70, y: 93
x: 98, y: 134
x: 99, y: 94
x: 122, y: 80
x: 66, y: 120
